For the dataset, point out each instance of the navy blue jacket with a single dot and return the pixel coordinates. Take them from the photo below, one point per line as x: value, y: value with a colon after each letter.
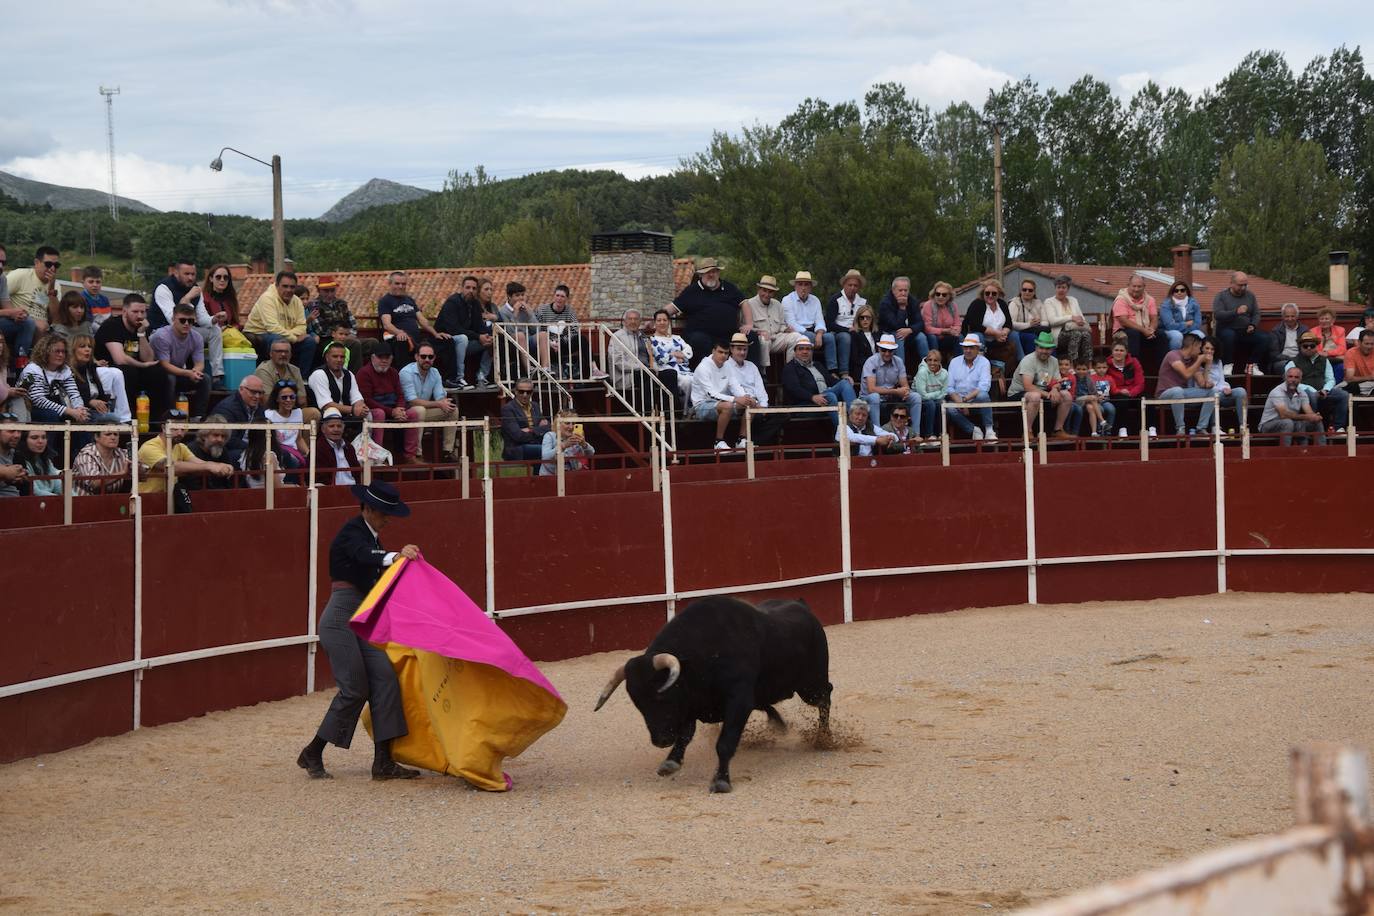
x: 890, y: 317
x: 799, y: 385
x: 355, y: 556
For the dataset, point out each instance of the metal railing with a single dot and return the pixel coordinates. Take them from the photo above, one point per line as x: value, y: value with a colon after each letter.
x: 655, y: 452
x: 639, y: 389
x: 66, y: 474
x: 512, y: 360
x: 461, y: 426
x: 270, y: 469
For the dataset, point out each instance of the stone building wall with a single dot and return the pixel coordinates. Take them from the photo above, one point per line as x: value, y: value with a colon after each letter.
x: 621, y: 279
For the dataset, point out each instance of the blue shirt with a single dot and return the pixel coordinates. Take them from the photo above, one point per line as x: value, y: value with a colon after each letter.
x: 430, y: 388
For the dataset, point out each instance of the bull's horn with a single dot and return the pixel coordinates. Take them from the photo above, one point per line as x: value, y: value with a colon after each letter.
x: 610, y: 687
x: 665, y: 660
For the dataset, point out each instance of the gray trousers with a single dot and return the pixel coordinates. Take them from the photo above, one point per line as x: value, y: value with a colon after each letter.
x: 363, y: 674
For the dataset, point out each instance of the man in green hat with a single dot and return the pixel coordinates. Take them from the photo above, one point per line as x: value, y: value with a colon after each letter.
x: 1034, y: 381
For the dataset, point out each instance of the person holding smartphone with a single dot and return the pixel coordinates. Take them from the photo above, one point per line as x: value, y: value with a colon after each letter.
x: 577, y: 451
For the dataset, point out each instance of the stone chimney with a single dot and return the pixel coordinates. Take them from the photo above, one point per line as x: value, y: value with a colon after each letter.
x: 1340, y: 275
x: 630, y: 269
x: 1183, y: 264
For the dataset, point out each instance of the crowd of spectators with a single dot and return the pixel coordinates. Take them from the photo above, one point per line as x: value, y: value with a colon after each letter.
x: 80, y: 358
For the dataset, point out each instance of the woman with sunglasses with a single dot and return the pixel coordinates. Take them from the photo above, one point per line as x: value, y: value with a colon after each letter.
x: 102, y: 466
x: 284, y: 407
x: 987, y: 317
x: 941, y: 315
x: 1180, y: 314
x: 220, y: 298
x: 52, y: 387
x: 101, y: 387
x: 863, y: 339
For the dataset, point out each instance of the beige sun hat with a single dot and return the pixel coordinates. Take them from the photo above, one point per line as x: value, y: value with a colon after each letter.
x: 803, y: 276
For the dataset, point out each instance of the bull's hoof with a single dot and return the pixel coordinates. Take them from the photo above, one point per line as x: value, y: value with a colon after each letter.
x: 720, y: 785
x: 668, y: 767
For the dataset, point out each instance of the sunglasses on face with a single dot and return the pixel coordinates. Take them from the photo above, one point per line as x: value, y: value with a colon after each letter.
x: 183, y: 321
x: 52, y: 265
x: 524, y: 391
x: 989, y: 293
x: 942, y: 295
x: 425, y: 356
x: 220, y: 277
x: 1309, y: 346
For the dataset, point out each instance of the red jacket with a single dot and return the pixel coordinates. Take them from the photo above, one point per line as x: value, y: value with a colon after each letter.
x: 377, y: 388
x: 1129, y: 379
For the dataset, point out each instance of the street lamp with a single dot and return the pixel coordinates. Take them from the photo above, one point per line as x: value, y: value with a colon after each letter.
x: 278, y: 228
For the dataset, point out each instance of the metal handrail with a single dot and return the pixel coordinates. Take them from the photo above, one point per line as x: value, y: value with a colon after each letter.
x: 658, y: 411
x: 511, y: 361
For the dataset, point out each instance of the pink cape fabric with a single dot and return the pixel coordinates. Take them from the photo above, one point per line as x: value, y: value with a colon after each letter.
x: 426, y: 610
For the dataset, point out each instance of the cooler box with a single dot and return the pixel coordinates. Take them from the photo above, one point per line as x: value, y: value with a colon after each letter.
x: 237, y: 367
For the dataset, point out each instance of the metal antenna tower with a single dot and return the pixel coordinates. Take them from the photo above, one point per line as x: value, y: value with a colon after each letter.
x: 109, y: 95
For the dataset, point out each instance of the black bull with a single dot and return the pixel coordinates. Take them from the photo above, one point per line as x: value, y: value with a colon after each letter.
x: 719, y: 660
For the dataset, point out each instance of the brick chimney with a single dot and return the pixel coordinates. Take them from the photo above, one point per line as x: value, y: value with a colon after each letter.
x: 1340, y: 275
x: 1183, y: 264
x: 630, y: 269
x: 258, y: 266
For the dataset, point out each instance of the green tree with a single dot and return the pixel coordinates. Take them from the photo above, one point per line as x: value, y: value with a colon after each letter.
x: 161, y: 241
x: 1278, y: 210
x: 561, y: 236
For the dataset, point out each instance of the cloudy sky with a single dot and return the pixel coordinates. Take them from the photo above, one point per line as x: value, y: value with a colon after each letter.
x: 347, y: 90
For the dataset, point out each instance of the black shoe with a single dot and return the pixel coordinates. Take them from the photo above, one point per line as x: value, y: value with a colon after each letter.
x: 392, y: 770
x: 313, y: 764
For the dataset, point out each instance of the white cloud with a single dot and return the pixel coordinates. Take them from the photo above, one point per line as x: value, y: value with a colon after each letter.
x: 629, y: 168
x: 947, y: 78
x: 168, y: 186
x: 1131, y: 83
x: 639, y: 114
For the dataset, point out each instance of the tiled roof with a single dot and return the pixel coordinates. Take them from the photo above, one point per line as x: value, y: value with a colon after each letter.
x: 1107, y: 280
x: 430, y: 287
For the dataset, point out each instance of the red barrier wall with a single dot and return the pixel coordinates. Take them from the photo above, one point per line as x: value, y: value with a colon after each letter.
x: 74, y: 611
x: 215, y: 578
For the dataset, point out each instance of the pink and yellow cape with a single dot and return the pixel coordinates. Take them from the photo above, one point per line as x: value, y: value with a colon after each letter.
x: 471, y: 697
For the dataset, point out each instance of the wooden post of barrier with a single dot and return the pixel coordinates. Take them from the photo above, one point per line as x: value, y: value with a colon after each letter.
x: 67, y: 479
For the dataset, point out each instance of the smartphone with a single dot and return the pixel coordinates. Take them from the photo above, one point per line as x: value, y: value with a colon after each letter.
x: 577, y: 431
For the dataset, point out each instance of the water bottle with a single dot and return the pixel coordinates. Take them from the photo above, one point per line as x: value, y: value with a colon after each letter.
x: 144, y: 410
x: 184, y: 404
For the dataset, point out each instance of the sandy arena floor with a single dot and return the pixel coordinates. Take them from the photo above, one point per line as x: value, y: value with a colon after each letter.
x: 1006, y: 756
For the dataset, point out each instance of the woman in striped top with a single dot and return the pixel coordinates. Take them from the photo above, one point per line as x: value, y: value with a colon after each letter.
x: 52, y: 387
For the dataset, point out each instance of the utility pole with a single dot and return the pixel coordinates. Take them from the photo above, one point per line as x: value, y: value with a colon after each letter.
x: 997, y: 127
x: 109, y: 95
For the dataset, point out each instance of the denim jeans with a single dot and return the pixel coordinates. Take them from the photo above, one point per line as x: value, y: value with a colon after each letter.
x: 961, y: 420
x: 930, y: 410
x: 19, y: 332
x: 1334, y: 407
x: 1238, y: 397
x: 842, y: 392
x: 460, y: 355
x: 1204, y: 420
x: 837, y: 345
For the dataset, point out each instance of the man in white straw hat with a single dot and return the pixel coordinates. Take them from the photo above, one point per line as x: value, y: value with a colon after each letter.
x: 806, y: 315
x: 763, y: 316
x: 970, y: 378
x: 885, y: 381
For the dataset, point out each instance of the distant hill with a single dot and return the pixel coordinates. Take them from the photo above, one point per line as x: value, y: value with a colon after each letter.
x: 376, y: 193
x: 27, y: 191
